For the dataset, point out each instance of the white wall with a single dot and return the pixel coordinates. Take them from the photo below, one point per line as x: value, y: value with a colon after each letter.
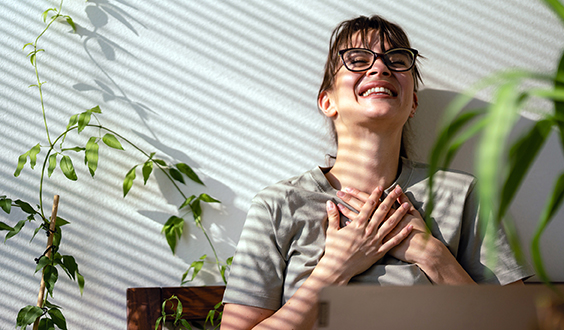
x: 228, y: 87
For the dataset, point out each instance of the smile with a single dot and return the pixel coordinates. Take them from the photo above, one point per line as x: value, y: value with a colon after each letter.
x: 378, y: 90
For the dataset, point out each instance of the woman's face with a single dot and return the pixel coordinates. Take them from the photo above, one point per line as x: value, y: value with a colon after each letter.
x: 376, y: 98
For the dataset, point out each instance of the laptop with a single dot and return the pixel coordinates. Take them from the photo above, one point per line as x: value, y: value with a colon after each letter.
x: 432, y: 307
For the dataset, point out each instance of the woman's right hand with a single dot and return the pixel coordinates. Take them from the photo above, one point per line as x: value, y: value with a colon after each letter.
x: 366, y: 238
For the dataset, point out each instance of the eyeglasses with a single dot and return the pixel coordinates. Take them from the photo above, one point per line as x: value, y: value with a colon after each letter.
x: 362, y: 59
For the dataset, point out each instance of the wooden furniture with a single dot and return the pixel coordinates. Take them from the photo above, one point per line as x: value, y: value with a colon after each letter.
x: 144, y: 304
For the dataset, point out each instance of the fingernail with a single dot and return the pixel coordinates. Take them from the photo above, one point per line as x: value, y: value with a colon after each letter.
x: 341, y: 194
x: 398, y: 189
x: 330, y: 205
x: 405, y: 206
x: 348, y: 189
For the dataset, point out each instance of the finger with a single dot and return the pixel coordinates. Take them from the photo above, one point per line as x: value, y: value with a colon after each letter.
x: 360, y: 195
x: 396, y: 239
x: 386, y: 205
x: 412, y: 210
x: 369, y: 206
x: 404, y: 199
x: 390, y: 223
x: 332, y: 216
x: 349, y: 199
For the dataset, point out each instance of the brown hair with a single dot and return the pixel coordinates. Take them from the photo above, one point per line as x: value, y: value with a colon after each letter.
x: 342, y: 37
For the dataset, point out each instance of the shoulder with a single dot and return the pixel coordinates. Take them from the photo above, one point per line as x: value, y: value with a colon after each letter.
x: 444, y: 178
x: 303, y: 184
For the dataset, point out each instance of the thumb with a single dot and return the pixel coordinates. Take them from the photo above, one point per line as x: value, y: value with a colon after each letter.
x: 332, y: 216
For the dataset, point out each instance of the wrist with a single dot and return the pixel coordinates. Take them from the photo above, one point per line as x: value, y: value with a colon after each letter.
x: 327, y: 273
x: 441, y: 266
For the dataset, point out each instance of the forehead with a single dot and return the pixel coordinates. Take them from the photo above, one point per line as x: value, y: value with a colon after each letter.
x: 365, y: 39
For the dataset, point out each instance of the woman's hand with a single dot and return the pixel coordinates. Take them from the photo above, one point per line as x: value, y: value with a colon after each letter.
x: 420, y: 247
x: 367, y: 237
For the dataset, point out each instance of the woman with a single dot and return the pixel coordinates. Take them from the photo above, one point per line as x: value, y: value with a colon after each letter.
x: 360, y: 220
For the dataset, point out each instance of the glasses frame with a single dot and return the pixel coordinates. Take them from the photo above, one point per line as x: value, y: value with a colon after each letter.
x: 383, y: 56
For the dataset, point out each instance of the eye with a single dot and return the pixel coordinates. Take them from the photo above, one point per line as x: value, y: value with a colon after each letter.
x: 399, y: 58
x: 358, y: 58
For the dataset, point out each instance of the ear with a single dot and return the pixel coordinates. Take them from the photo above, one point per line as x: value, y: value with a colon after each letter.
x: 325, y: 103
x: 414, y: 105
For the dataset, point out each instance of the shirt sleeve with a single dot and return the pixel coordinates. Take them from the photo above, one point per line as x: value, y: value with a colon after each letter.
x: 256, y: 277
x: 484, y: 253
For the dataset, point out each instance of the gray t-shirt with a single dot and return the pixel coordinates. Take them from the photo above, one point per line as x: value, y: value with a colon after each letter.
x: 284, y: 237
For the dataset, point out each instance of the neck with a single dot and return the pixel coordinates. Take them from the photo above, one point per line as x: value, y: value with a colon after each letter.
x: 366, y: 162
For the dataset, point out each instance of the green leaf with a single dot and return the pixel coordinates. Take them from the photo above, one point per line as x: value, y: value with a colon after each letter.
x: 111, y: 141
x: 72, y: 121
x: 43, y: 261
x: 147, y: 170
x: 557, y: 7
x: 185, y: 324
x: 6, y: 204
x: 187, y: 202
x: 4, y: 226
x: 160, y: 162
x: 17, y: 228
x: 21, y: 162
x: 96, y: 109
x: 46, y: 324
x: 161, y: 318
x: 80, y: 281
x: 58, y: 318
x: 196, y: 266
x: 75, y: 149
x: 91, y: 155
x: 33, y: 152
x: 70, y: 266
x: 71, y: 23
x: 61, y: 222
x: 176, y: 175
x: 207, y: 198
x: 28, y: 315
x: 52, y: 164
x: 552, y: 205
x: 84, y: 120
x: 197, y: 212
x: 68, y: 168
x: 187, y: 170
x: 178, y: 313
x: 25, y: 207
x: 173, y: 229
x: 45, y: 13
x: 521, y: 156
x: 128, y: 181
x: 50, y: 275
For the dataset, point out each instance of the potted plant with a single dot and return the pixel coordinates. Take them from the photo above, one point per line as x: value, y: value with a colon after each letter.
x: 496, y: 156
x: 56, y: 153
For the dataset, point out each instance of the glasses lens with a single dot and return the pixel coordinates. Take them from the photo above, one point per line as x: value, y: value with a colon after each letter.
x: 358, y: 59
x: 399, y: 59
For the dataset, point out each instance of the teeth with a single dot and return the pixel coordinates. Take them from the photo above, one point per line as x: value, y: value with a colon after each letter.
x: 378, y: 90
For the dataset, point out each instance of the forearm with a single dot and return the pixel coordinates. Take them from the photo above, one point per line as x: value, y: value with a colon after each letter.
x: 300, y: 311
x: 441, y: 266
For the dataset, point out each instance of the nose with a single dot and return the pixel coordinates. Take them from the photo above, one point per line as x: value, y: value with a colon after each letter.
x: 378, y: 68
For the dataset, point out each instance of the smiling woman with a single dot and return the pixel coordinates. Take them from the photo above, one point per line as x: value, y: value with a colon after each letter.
x: 359, y: 221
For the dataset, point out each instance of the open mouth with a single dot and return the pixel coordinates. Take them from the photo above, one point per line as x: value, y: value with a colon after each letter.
x: 377, y: 91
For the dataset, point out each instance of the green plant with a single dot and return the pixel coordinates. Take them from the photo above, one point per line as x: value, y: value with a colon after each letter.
x: 47, y: 315
x: 494, y: 160
x: 213, y: 318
